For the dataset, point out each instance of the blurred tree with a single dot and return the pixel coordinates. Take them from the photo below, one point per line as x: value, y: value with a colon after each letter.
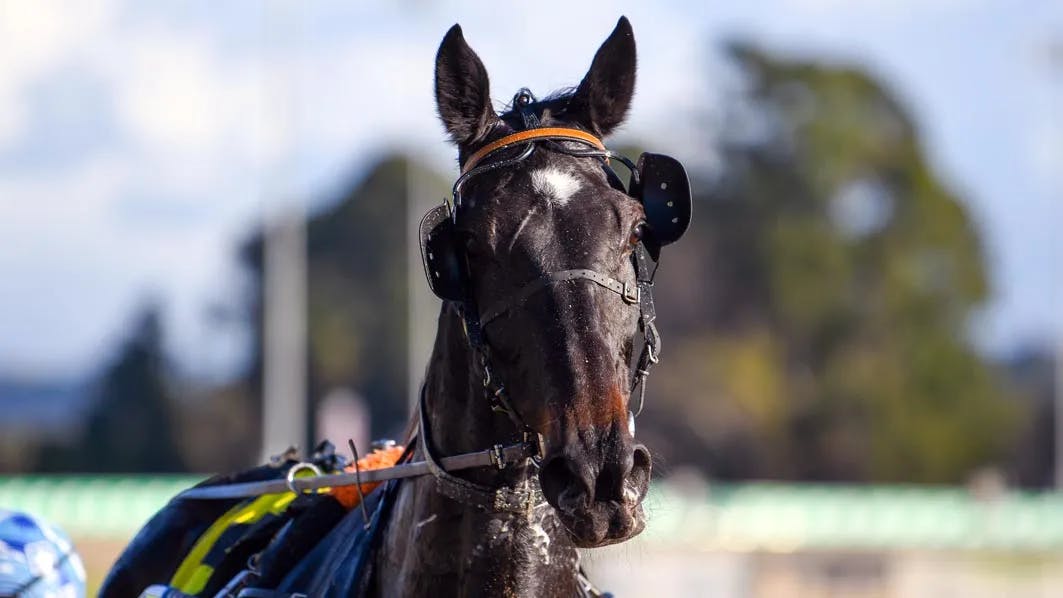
x: 131, y: 426
x: 824, y: 333
x: 357, y: 322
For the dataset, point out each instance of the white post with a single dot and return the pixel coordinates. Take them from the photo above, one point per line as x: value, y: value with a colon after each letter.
x: 284, y: 408
x: 284, y: 285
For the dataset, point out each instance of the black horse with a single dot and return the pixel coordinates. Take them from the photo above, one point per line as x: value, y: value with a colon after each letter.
x: 545, y: 263
x: 564, y: 357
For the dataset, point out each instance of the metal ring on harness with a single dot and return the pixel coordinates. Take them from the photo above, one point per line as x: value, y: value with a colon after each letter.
x: 298, y: 467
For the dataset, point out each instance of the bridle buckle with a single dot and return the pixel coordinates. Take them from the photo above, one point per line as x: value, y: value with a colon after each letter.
x: 536, y: 442
x: 631, y: 293
x: 498, y: 457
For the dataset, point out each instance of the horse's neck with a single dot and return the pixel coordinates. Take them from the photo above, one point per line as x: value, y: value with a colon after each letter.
x: 437, y: 546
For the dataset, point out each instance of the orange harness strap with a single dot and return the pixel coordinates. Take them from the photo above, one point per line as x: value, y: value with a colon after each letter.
x: 531, y: 134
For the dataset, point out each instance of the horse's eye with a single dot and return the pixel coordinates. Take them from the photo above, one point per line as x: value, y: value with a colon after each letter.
x: 636, y: 234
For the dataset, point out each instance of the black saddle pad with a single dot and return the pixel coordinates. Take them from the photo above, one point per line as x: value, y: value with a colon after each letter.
x: 340, y: 565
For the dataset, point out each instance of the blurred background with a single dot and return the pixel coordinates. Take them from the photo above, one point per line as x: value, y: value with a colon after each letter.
x: 208, y: 214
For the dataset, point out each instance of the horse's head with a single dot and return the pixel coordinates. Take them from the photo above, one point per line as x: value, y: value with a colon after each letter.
x: 565, y: 354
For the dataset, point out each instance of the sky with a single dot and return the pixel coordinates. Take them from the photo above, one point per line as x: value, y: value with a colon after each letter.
x: 140, y: 142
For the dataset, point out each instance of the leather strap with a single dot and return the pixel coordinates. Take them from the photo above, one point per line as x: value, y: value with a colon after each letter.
x: 514, y: 453
x: 651, y: 347
x: 485, y: 498
x: 559, y: 133
x: 629, y: 294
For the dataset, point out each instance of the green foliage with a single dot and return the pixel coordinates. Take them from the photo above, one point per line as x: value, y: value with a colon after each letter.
x: 836, y: 276
x: 131, y: 426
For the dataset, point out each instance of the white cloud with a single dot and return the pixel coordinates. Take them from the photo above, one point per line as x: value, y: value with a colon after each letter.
x: 34, y: 38
x: 1046, y: 153
x: 899, y: 9
x: 170, y: 96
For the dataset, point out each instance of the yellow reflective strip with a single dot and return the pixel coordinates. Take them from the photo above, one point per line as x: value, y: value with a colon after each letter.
x: 247, y: 516
x: 192, y: 576
x: 200, y: 577
x: 283, y: 500
x: 185, y: 579
x: 189, y: 578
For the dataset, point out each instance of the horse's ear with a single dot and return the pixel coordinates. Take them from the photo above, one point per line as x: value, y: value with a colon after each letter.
x: 603, y: 97
x: 463, y: 94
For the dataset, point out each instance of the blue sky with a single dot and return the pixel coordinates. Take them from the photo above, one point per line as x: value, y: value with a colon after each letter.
x: 140, y: 141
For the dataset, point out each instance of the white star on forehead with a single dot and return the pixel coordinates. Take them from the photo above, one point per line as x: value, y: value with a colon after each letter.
x: 558, y: 186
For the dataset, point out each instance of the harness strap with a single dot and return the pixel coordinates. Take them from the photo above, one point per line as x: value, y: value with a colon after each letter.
x: 492, y: 457
x: 651, y: 347
x: 627, y: 293
x: 562, y: 133
x: 485, y: 498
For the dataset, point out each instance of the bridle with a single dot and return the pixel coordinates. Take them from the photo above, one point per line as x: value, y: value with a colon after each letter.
x: 640, y: 294
x: 657, y: 181
x: 446, y: 267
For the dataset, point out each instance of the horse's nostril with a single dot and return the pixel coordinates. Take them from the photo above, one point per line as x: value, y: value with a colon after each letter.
x: 641, y: 458
x: 561, y: 483
x: 640, y: 469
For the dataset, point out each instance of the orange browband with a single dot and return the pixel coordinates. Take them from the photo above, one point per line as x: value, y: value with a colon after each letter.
x: 531, y: 134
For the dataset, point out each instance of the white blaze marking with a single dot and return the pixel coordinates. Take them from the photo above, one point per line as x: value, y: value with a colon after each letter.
x: 556, y: 185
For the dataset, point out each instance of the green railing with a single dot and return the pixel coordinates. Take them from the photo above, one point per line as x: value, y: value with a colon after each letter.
x: 754, y: 516
x: 783, y: 517
x: 96, y: 506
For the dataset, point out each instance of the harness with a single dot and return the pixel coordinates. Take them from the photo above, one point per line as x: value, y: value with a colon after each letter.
x: 658, y: 182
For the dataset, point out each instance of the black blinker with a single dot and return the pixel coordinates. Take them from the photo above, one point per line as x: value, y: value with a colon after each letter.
x: 664, y: 191
x: 439, y: 253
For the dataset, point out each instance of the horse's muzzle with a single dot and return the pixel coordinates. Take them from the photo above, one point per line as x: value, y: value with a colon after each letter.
x: 600, y: 502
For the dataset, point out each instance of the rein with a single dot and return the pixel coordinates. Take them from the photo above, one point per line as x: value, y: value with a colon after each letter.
x: 500, y: 456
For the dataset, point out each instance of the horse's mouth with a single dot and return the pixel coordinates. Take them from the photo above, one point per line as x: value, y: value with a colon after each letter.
x: 602, y: 523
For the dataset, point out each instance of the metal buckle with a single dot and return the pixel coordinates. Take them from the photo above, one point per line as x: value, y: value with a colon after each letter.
x: 304, y: 466
x: 498, y: 458
x: 630, y: 297
x: 536, y: 440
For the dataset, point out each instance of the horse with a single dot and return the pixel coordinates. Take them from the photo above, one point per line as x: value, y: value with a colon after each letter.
x: 564, y: 356
x: 544, y: 261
